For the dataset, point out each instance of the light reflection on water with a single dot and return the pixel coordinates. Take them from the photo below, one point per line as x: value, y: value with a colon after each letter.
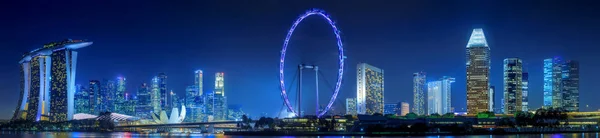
x: 25, y: 134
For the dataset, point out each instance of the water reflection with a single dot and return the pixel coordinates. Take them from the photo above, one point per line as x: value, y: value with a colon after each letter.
x: 30, y: 134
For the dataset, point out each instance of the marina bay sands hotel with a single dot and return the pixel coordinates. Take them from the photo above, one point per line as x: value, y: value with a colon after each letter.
x: 48, y: 82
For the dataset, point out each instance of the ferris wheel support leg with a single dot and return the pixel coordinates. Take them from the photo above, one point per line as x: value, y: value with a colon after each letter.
x: 317, y: 89
x: 300, y: 67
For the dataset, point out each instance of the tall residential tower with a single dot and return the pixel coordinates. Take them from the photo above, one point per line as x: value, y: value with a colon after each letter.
x: 419, y: 88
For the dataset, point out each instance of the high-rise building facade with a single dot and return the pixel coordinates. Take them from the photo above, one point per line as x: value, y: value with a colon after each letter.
x: 82, y: 100
x: 434, y: 97
x: 525, y: 85
x: 570, y: 85
x: 48, y: 82
x: 552, y: 77
x: 446, y: 88
x: 108, y: 93
x: 128, y: 107
x: 94, y: 96
x: 119, y: 101
x: 492, y: 100
x: 513, y: 85
x: 155, y: 95
x: 198, y: 81
x: 419, y: 87
x: 478, y: 73
x: 165, y: 97
x: 369, y: 97
x: 405, y: 108
x: 194, y: 104
x: 350, y: 106
x: 219, y: 84
x: 390, y: 108
x: 219, y: 98
x: 144, y: 106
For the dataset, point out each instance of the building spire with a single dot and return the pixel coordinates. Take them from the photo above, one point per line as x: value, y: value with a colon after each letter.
x: 477, y: 39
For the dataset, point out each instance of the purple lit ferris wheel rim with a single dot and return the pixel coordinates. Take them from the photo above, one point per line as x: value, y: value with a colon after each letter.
x: 340, y: 59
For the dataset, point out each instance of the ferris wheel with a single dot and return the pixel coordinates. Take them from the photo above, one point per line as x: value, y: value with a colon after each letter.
x: 340, y: 70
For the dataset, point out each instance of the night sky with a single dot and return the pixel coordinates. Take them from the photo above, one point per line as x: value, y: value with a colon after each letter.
x: 242, y: 38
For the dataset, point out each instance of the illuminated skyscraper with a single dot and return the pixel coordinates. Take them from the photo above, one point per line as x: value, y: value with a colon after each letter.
x: 552, y: 76
x: 434, y: 97
x: 419, y: 88
x: 48, y: 82
x: 198, y: 81
x: 350, y: 106
x: 144, y: 102
x: 219, y: 86
x: 128, y: 106
x: 219, y: 98
x: 95, y: 96
x: 478, y: 73
x: 369, y: 95
x: 155, y: 95
x: 107, y: 96
x: 513, y: 85
x: 525, y: 105
x: 570, y: 85
x: 446, y: 89
x: 405, y: 108
x: 119, y: 101
x: 82, y: 100
x: 165, y: 99
x: 194, y: 104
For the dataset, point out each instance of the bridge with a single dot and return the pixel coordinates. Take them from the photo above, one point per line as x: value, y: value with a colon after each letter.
x: 208, y: 127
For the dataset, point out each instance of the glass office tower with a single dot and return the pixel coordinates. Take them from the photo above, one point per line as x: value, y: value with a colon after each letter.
x: 478, y: 73
x: 570, y: 85
x: 513, y: 85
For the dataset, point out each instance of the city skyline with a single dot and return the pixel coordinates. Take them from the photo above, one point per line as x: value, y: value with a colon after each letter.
x: 212, y: 50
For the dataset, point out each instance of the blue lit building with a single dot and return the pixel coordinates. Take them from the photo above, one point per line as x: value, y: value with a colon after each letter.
x: 155, y: 95
x: 235, y: 112
x: 194, y: 105
x: 107, y: 96
x: 120, y: 101
x: 82, y: 100
x: 552, y: 77
x: 570, y: 85
x: 492, y: 100
x: 525, y: 92
x: 390, y: 108
x: 219, y: 100
x: 165, y: 96
x: 446, y: 88
x: 144, y: 107
x: 561, y: 84
x: 43, y: 98
x: 94, y: 96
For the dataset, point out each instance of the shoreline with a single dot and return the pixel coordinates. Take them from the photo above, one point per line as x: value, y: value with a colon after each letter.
x: 283, y: 133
